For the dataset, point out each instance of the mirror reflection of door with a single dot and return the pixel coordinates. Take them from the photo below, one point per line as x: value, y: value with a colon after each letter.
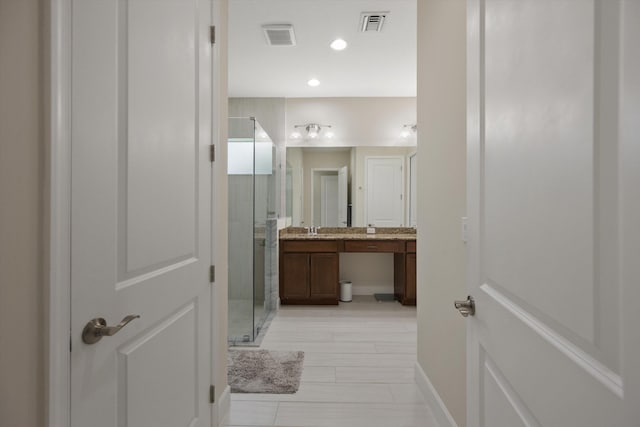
x: 384, y: 192
x: 329, y: 199
x: 413, y: 190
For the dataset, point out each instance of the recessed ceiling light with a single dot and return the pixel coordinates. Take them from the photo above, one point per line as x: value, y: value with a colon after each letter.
x: 313, y: 82
x: 338, y: 44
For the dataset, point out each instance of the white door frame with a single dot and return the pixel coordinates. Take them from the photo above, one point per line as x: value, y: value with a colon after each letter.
x: 58, y: 215
x: 59, y: 360
x: 366, y: 183
x: 409, y: 184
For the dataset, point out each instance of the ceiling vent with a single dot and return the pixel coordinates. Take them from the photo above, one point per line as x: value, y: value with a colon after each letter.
x: 372, y: 21
x: 279, y: 35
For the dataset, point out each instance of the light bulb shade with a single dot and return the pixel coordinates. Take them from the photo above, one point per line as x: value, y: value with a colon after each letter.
x: 313, y: 130
x: 407, y: 130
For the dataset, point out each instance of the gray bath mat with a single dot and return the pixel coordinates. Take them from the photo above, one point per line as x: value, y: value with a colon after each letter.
x: 384, y: 297
x: 264, y: 371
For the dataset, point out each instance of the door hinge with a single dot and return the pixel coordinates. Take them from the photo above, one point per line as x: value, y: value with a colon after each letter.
x: 212, y: 394
x: 212, y: 273
x: 212, y: 34
x: 212, y: 153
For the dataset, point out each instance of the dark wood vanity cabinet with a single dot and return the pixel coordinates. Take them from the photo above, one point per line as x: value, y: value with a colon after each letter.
x: 309, y: 270
x: 404, y: 275
x: 294, y: 272
x: 308, y: 273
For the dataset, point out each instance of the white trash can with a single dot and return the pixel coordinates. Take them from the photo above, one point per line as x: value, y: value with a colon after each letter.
x: 346, y: 291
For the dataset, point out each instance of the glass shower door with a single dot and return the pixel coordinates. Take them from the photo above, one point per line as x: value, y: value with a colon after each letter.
x: 251, y: 169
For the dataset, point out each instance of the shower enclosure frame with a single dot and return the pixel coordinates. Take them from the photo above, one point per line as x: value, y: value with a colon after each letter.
x: 251, y: 165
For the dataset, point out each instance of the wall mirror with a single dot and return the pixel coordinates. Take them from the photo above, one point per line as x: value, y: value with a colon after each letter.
x: 351, y: 186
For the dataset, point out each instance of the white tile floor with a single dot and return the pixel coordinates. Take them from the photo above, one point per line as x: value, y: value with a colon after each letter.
x: 358, y: 369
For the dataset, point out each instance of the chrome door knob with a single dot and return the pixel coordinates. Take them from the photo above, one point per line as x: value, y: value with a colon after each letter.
x: 97, y: 328
x: 467, y: 307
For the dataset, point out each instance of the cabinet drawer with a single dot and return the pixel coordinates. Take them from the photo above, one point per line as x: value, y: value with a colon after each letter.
x: 411, y: 246
x: 309, y: 246
x: 374, y: 246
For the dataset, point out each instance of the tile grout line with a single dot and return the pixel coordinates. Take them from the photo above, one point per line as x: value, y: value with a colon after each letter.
x: 275, y: 415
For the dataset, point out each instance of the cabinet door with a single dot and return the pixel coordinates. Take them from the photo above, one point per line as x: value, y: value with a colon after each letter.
x: 324, y: 275
x: 410, y: 289
x: 295, y: 272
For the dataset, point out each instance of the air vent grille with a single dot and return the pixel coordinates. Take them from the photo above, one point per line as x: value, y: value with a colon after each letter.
x: 279, y: 35
x: 372, y: 21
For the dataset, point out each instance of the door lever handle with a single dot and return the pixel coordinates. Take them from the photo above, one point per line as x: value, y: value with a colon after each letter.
x: 467, y: 307
x: 97, y: 328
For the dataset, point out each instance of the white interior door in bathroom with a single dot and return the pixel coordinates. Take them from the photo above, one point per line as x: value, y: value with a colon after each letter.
x: 141, y: 212
x: 553, y: 106
x: 384, y: 204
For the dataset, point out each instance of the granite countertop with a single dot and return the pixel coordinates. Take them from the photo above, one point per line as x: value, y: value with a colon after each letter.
x: 349, y: 233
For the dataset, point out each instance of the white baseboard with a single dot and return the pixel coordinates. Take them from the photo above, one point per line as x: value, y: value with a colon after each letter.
x: 224, y: 404
x: 433, y: 399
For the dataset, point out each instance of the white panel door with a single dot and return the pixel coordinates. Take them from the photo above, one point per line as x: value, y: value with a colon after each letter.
x: 343, y: 183
x: 141, y: 212
x: 384, y: 192
x: 546, y: 346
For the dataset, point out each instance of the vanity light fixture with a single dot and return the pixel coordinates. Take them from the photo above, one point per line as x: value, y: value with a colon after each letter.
x: 407, y: 130
x: 314, y: 82
x: 313, y: 130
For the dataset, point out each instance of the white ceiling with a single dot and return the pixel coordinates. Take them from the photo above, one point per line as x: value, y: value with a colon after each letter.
x: 373, y: 64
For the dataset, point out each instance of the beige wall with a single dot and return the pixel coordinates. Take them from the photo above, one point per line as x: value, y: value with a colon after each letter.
x: 365, y: 121
x: 441, y: 204
x: 21, y: 215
